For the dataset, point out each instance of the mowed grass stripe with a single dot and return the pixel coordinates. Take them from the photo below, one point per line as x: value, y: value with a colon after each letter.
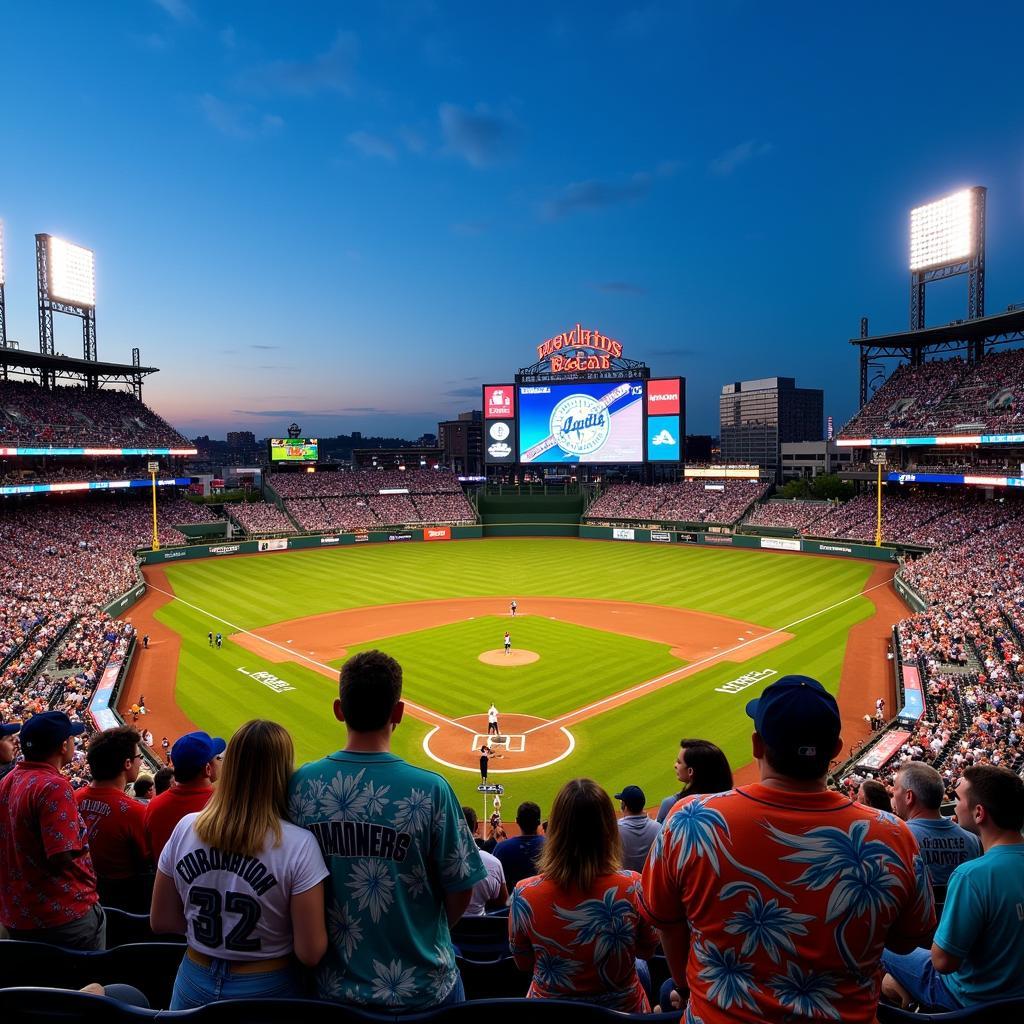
x: 577, y: 665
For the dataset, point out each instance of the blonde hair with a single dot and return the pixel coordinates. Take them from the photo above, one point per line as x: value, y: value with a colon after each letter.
x: 251, y: 796
x: 582, y: 837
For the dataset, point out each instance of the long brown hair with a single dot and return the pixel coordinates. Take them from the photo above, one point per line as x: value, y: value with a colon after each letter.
x: 251, y: 796
x: 583, y: 839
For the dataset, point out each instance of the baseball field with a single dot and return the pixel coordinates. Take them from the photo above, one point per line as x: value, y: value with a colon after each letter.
x: 617, y: 650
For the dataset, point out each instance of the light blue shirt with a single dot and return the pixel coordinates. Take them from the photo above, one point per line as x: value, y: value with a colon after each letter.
x: 395, y: 841
x: 983, y: 922
x: 944, y: 846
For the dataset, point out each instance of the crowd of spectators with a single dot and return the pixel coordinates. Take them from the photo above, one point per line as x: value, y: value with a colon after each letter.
x: 689, y: 501
x: 31, y: 415
x: 947, y: 395
x: 326, y: 502
x: 794, y: 514
x: 260, y: 517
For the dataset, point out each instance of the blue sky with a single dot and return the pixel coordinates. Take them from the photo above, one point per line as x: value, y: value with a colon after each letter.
x: 352, y: 215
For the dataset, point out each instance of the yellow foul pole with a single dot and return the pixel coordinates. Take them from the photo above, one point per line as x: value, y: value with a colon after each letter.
x: 878, y: 523
x: 153, y: 467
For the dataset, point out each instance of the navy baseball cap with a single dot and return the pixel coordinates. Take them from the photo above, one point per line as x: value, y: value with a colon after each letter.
x: 632, y: 796
x: 195, y: 749
x: 796, y: 714
x: 42, y: 734
x: 9, y: 729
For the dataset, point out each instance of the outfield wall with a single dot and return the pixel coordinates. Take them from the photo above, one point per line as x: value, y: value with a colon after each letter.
x: 256, y: 547
x: 843, y: 549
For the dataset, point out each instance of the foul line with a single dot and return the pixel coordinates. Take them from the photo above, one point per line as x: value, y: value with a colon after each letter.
x: 686, y: 669
x: 296, y: 655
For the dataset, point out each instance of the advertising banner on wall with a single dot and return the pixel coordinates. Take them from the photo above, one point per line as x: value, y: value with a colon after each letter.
x: 437, y: 533
x: 274, y: 544
x: 623, y: 534
x: 780, y: 544
x: 499, y: 401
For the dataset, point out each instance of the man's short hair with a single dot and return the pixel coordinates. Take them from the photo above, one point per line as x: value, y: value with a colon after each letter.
x: 143, y: 787
x: 109, y: 750
x: 371, y: 686
x: 528, y: 816
x: 795, y: 766
x: 924, y: 782
x: 162, y: 781
x: 1000, y: 792
x: 470, y: 815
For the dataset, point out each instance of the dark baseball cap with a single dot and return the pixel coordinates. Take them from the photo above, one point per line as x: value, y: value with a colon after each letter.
x: 796, y: 715
x: 42, y: 734
x: 195, y: 749
x: 10, y: 729
x: 632, y: 796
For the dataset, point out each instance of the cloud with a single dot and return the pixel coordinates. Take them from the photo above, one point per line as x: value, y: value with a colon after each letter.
x: 177, y: 9
x: 480, y: 136
x: 264, y: 348
x: 330, y: 71
x: 238, y: 120
x: 469, y: 228
x: 726, y: 163
x: 596, y: 195
x: 412, y: 139
x: 372, y: 145
x: 464, y: 392
x: 620, y: 288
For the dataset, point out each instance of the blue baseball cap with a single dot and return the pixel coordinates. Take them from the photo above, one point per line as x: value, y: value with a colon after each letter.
x: 195, y: 749
x: 797, y: 715
x: 9, y: 729
x: 42, y: 734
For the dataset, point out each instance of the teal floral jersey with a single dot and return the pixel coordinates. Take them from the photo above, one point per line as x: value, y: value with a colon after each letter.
x: 789, y: 899
x: 395, y: 841
x: 583, y: 945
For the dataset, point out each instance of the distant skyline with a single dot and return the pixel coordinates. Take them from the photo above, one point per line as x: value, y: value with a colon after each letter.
x: 353, y: 216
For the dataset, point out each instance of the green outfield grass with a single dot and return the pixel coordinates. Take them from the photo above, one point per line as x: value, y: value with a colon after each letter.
x: 636, y: 743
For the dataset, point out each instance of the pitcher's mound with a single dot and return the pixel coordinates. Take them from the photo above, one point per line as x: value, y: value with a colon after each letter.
x: 511, y: 660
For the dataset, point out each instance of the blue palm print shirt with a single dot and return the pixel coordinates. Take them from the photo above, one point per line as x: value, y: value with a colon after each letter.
x: 395, y: 841
x: 789, y: 899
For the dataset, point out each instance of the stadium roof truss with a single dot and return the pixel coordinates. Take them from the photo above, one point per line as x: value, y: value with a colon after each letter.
x: 971, y: 338
x: 47, y: 369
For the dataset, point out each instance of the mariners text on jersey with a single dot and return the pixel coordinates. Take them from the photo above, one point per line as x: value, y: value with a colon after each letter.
x: 360, y: 839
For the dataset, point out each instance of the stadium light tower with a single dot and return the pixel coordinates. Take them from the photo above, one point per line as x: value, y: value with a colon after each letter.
x: 947, y: 238
x: 3, y: 301
x: 66, y: 283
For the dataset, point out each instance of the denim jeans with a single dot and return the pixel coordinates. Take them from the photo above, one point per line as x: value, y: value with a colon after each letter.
x: 197, y: 985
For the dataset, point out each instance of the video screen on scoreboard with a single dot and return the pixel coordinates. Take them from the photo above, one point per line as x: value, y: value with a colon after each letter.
x: 592, y: 421
x: 294, y: 449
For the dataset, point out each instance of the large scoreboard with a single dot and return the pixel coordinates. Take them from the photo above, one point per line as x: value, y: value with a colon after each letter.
x: 602, y: 422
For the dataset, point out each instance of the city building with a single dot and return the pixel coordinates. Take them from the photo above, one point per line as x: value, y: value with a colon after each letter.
x: 757, y: 416
x: 813, y: 458
x: 462, y: 442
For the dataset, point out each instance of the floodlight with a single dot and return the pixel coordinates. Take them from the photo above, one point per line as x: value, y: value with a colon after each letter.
x: 943, y: 232
x: 72, y: 274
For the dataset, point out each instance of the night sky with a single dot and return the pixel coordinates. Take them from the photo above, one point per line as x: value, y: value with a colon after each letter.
x: 352, y: 215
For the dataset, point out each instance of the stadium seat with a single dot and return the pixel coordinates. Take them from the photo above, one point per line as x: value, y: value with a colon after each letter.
x: 124, y: 927
x: 49, y: 1005
x: 1001, y: 1012
x: 284, y: 1011
x: 481, y: 938
x: 493, y: 979
x: 37, y: 964
x: 149, y: 966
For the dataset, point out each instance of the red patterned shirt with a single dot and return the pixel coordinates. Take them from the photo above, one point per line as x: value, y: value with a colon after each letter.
x: 789, y: 898
x: 584, y: 945
x: 39, y: 819
x: 117, y: 833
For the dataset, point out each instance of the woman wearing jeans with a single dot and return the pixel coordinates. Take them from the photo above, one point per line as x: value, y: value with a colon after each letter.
x: 242, y: 883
